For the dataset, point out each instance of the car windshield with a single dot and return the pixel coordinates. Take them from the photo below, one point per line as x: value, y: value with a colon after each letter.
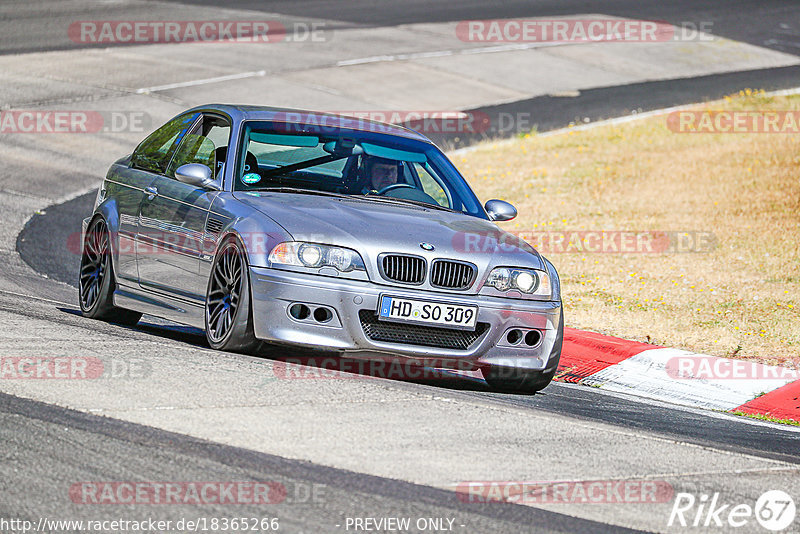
x: 371, y: 165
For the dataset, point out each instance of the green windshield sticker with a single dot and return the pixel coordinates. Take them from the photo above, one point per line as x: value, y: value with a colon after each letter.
x: 251, y: 178
x: 393, y: 153
x: 285, y: 140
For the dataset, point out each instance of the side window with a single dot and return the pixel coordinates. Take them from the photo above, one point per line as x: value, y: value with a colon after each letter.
x: 194, y: 149
x: 206, y: 143
x: 431, y: 186
x: 219, y: 132
x: 153, y: 154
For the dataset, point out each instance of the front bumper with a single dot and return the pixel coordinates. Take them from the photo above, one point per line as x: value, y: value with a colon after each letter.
x: 274, y: 291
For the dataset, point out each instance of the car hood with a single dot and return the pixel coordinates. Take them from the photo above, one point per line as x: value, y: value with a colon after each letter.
x: 374, y: 227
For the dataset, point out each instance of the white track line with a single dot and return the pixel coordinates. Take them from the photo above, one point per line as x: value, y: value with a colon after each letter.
x: 22, y: 295
x: 445, y: 53
x: 191, y: 83
x: 471, y: 51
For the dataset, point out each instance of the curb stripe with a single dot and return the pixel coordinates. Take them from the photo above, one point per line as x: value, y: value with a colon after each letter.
x: 782, y: 403
x: 641, y: 369
x: 586, y: 353
x: 652, y: 373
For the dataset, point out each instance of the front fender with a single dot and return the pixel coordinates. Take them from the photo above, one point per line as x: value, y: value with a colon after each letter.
x: 259, y: 234
x: 555, y: 281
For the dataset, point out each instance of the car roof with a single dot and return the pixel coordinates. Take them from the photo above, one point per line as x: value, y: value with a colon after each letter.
x: 301, y: 116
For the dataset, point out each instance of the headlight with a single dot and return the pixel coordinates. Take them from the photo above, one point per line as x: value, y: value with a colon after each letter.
x: 528, y: 281
x: 312, y: 255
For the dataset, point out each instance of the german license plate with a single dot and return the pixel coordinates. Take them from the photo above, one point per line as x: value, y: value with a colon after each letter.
x: 427, y: 312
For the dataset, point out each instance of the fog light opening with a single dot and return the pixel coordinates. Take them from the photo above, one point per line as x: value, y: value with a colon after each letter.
x: 299, y: 311
x: 514, y: 336
x: 322, y: 315
x: 533, y: 338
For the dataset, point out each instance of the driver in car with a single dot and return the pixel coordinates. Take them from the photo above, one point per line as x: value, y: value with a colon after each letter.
x: 380, y: 173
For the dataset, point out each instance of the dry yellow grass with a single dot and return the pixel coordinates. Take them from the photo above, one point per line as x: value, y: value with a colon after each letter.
x: 739, y: 300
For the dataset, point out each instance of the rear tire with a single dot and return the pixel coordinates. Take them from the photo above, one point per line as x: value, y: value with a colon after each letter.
x: 228, y: 314
x: 96, y: 278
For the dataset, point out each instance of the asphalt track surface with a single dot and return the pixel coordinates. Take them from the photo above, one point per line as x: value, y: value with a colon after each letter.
x: 47, y: 233
x: 314, y: 495
x: 770, y: 23
x: 550, y: 112
x: 110, y: 449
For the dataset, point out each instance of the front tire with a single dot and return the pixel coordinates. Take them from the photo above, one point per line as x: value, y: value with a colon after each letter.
x: 228, y: 314
x: 96, y: 282
x: 526, y: 381
x: 513, y: 380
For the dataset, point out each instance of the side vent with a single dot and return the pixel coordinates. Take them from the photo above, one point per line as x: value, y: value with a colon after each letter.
x: 214, y: 226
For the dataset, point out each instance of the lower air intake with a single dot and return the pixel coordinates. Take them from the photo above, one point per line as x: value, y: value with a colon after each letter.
x: 426, y: 336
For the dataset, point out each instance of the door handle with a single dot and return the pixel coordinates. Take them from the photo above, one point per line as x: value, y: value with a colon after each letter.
x: 152, y: 192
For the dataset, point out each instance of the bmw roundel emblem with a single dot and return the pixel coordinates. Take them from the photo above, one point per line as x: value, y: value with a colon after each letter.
x: 426, y: 246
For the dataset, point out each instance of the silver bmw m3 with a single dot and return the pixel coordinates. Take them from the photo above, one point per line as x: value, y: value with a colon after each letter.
x: 318, y: 231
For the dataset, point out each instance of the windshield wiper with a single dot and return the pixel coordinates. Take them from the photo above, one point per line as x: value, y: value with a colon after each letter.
x: 392, y: 200
x: 396, y: 200
x: 302, y: 191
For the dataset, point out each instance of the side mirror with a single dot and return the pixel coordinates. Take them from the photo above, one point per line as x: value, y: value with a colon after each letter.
x: 500, y: 210
x: 195, y: 174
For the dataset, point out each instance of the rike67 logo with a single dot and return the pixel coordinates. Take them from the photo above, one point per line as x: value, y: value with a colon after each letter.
x: 774, y: 510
